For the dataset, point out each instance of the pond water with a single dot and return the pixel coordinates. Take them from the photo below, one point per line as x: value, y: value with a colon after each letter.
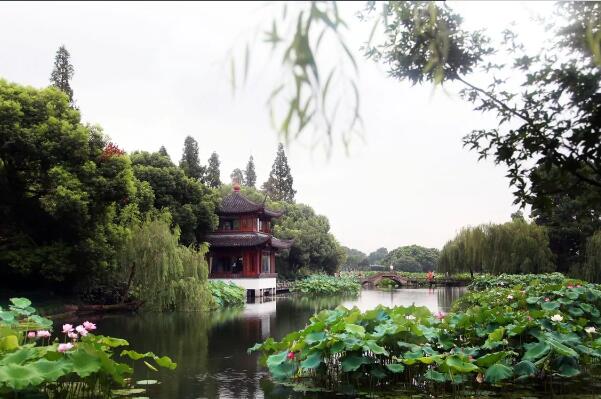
x: 211, y: 348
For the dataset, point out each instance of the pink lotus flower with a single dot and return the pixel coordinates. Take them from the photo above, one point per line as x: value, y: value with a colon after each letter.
x: 570, y: 286
x: 67, y: 328
x: 89, y: 326
x: 578, y: 286
x: 547, y: 299
x: 291, y: 355
x: 43, y: 334
x: 440, y: 315
x: 81, y: 330
x: 31, y: 334
x: 73, y: 335
x: 65, y: 347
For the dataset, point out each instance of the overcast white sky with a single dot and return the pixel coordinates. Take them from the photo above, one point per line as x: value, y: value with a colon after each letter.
x: 152, y: 73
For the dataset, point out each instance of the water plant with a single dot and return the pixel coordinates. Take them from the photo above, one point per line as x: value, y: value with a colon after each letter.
x: 227, y: 294
x: 73, y: 363
x: 322, y: 284
x: 504, y: 334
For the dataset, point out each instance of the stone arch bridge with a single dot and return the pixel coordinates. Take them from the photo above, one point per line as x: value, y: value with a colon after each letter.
x: 376, y: 278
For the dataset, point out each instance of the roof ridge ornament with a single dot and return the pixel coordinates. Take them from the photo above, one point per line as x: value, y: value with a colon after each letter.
x: 236, y: 187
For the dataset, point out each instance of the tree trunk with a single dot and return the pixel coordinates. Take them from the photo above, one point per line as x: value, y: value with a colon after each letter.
x: 129, y: 280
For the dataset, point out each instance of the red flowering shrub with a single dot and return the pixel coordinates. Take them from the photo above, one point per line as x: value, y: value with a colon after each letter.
x: 111, y: 150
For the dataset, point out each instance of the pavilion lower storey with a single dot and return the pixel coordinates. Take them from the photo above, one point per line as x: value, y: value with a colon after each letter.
x: 256, y: 287
x: 251, y: 268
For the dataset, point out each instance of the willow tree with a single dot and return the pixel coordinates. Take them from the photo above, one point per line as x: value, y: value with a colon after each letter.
x: 592, y: 265
x: 166, y: 275
x: 514, y: 247
x: 464, y: 253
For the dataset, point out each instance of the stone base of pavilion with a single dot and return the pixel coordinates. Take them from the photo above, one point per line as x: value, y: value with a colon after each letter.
x: 255, y: 287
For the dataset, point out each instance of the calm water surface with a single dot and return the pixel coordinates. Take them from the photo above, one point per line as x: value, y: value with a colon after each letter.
x: 210, y: 349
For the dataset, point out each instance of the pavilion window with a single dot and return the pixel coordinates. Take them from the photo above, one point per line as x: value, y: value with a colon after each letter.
x: 265, y: 262
x: 259, y: 225
x: 229, y: 224
x: 227, y: 264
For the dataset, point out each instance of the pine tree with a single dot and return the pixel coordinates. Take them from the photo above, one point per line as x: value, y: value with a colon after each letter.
x: 63, y: 72
x: 279, y: 184
x: 250, y: 177
x: 190, y: 163
x: 212, y: 177
x: 163, y: 152
x: 237, y: 176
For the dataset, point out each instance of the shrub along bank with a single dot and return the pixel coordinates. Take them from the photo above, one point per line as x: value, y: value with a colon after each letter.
x: 225, y: 294
x: 321, y: 284
x: 530, y: 329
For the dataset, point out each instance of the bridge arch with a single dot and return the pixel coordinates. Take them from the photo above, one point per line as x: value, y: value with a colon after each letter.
x: 376, y: 278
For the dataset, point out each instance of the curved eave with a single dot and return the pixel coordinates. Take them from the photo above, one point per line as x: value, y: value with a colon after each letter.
x: 281, y: 244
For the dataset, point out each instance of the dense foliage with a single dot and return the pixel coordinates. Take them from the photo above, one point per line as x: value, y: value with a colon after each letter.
x: 376, y: 257
x: 75, y: 363
x: 191, y: 204
x: 163, y: 273
x: 225, y: 294
x: 513, y: 247
x: 355, y: 259
x: 320, y: 284
x: 63, y: 199
x: 531, y: 330
x: 412, y: 258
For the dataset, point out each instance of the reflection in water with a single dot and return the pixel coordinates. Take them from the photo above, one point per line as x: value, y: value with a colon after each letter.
x: 211, y: 348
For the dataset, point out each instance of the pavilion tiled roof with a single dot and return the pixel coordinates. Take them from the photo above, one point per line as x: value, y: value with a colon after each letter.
x: 236, y: 203
x: 245, y: 239
x: 281, y: 244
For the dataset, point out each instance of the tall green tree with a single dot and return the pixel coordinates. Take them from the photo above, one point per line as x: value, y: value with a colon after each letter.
x: 355, y: 259
x: 315, y: 249
x: 65, y: 191
x: 412, y: 258
x: 190, y: 163
x: 377, y: 256
x: 63, y: 72
x: 237, y: 176
x: 213, y: 175
x: 250, y: 176
x: 190, y: 203
x: 163, y: 152
x: 279, y: 184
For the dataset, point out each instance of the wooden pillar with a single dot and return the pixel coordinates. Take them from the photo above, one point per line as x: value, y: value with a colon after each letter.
x: 272, y: 262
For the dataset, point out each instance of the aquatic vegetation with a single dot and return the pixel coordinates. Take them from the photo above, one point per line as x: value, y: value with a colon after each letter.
x: 545, y: 330
x: 486, y: 281
x: 73, y: 363
x: 227, y: 294
x: 322, y: 284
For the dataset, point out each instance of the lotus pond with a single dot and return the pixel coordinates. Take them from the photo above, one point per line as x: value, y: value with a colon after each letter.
x: 211, y: 349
